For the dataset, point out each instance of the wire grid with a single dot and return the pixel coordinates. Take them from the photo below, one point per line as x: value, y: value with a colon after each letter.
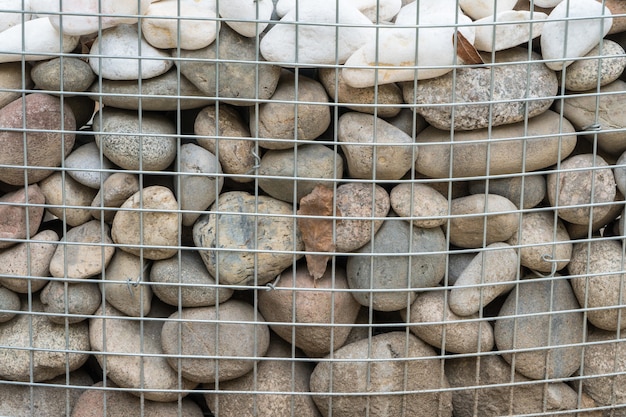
x: 358, y: 371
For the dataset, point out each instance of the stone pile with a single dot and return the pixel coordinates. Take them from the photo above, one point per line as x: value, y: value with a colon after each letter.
x: 347, y: 207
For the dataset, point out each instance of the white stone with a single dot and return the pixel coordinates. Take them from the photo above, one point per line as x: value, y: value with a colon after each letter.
x: 589, y: 21
x: 12, y: 12
x: 194, y: 34
x: 317, y: 44
x: 115, y: 55
x: 547, y: 3
x: 375, y: 10
x: 32, y: 38
x: 477, y: 9
x: 396, y: 52
x: 87, y: 157
x: 504, y: 36
x: 246, y: 17
x: 83, y: 17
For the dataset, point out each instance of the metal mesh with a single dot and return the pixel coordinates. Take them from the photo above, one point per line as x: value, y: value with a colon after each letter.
x: 278, y: 242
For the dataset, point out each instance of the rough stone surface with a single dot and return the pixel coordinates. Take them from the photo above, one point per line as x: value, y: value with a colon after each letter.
x: 546, y: 331
x: 13, y: 78
x: 115, y: 334
x: 71, y: 302
x: 67, y: 76
x: 421, y: 204
x: 63, y: 190
x: 184, y: 280
x: 88, y: 157
x: 115, y: 190
x: 524, y: 191
x: 160, y: 228
x: 248, y: 340
x: 16, y: 221
x: 315, y: 304
x: 126, y: 285
x: 388, y: 271
x: 393, y: 372
x: 587, y: 74
x: 240, y: 228
x: 44, y: 148
x: 9, y: 300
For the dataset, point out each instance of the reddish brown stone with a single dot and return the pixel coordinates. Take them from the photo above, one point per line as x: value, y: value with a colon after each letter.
x: 13, y: 218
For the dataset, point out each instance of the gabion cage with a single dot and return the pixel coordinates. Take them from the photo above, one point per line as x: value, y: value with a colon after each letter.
x: 312, y: 208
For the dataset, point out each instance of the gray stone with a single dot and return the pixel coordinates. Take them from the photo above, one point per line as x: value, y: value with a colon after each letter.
x: 409, y: 122
x: 70, y: 302
x: 425, y: 318
x: 244, y: 343
x: 41, y: 115
x: 252, y: 249
x: 512, y: 149
x: 384, y: 273
x: 115, y: 190
x: 17, y: 221
x: 184, y: 281
x: 18, y: 361
x: 75, y: 257
x: 9, y: 300
x: 421, y: 204
x: 491, y: 96
x: 116, y: 333
x: 222, y: 131
x: 280, y: 125
x: 134, y: 143
x: 64, y: 75
x: 276, y: 378
x: 482, y: 219
x: 315, y: 161
x: 525, y: 191
x: 238, y: 80
x: 386, y: 366
x: 585, y: 74
x: 541, y: 315
x: 126, y: 284
x: 315, y: 304
x: 358, y: 132
x: 156, y: 94
x: 88, y: 157
x: 63, y: 190
x: 356, y: 202
x: 491, y: 273
x: 581, y: 180
x: 11, y: 78
x: 383, y: 101
x: 595, y: 274
x: 29, y: 259
x: 457, y: 262
x: 197, y: 192
x: 157, y: 225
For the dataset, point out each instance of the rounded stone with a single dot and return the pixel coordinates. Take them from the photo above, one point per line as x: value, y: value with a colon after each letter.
x: 490, y: 95
x: 482, y: 219
x: 26, y: 332
x: 134, y: 141
x: 383, y: 101
x: 13, y: 78
x: 156, y: 225
x: 117, y: 334
x: 511, y: 149
x: 115, y: 190
x: 222, y: 131
x: 525, y: 191
x: 248, y: 18
x: 491, y: 273
x: 362, y: 207
x: 63, y: 190
x: 422, y: 205
x: 280, y: 125
x: 376, y: 272
x: 88, y: 157
x: 573, y: 184
x: 9, y: 300
x: 249, y: 241
x: 83, y: 252
x: 319, y: 164
x: 126, y: 284
x: 184, y: 281
x: 17, y: 221
x: 243, y: 337
x: 387, y: 366
x: 597, y: 281
x: 276, y: 378
x: 541, y: 315
x: 586, y: 74
x: 390, y: 158
x: 29, y: 259
x: 80, y: 299
x: 425, y: 318
x: 315, y: 304
x: 65, y: 75
x: 619, y: 172
x: 42, y: 115
x: 545, y: 245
